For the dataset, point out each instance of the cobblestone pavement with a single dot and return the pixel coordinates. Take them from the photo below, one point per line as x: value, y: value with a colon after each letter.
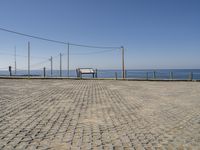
x: 99, y: 114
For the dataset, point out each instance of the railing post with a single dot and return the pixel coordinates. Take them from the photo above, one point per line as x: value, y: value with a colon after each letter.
x: 10, y: 70
x: 126, y: 74
x: 147, y: 76
x: 96, y: 73
x: 116, y: 75
x: 77, y: 73
x: 171, y: 75
x: 154, y: 75
x: 44, y: 71
x: 191, y: 76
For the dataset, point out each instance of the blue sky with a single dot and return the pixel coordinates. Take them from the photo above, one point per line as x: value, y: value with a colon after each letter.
x: 155, y: 33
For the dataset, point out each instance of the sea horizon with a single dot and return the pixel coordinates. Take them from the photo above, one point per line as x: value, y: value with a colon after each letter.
x: 113, y: 73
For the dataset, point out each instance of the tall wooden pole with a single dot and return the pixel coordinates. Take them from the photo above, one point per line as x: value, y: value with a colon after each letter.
x: 15, y: 62
x: 29, y: 59
x: 68, y: 60
x: 60, y: 65
x: 123, y: 67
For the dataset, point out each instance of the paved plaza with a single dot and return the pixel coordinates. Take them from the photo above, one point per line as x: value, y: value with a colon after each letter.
x: 99, y: 115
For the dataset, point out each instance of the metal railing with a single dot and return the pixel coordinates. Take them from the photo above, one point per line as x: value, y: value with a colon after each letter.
x: 164, y: 75
x: 114, y: 74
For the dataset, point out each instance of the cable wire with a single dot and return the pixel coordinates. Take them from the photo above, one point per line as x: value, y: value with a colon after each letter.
x: 97, y: 47
x: 39, y: 63
x: 90, y: 53
x: 32, y: 36
x: 9, y: 54
x: 56, y: 41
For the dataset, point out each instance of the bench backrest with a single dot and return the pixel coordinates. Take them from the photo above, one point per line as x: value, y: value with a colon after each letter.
x: 86, y: 70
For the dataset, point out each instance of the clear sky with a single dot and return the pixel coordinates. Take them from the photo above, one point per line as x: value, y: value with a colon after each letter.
x: 155, y: 33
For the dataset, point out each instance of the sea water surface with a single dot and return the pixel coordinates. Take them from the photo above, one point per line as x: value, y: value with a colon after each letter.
x: 182, y: 74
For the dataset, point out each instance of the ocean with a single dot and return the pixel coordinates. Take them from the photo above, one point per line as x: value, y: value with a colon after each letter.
x: 179, y: 74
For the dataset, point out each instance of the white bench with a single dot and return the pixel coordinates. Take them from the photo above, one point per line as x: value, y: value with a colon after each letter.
x: 81, y: 71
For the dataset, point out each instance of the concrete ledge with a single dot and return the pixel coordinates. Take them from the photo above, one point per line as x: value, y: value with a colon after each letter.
x: 74, y: 78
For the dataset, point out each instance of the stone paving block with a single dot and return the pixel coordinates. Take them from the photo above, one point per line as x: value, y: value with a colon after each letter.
x: 98, y: 114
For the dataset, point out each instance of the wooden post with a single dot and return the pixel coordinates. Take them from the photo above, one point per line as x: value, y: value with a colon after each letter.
x: 10, y: 70
x: 44, y: 71
x: 28, y: 59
